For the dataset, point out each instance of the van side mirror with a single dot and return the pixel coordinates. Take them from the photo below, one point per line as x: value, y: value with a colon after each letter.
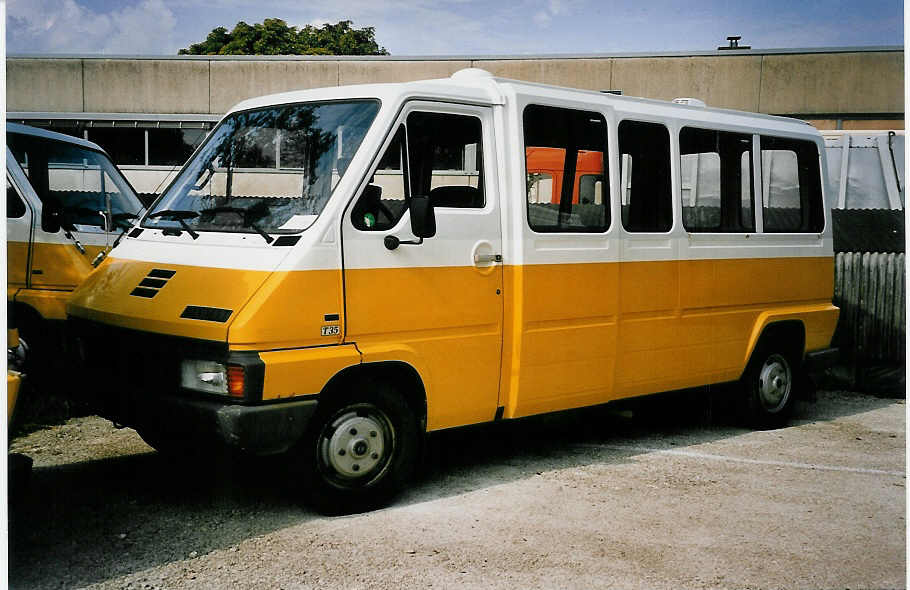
x: 423, y: 220
x: 50, y: 219
x: 423, y: 223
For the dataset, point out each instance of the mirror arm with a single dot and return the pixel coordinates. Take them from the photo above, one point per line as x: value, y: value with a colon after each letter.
x: 392, y: 242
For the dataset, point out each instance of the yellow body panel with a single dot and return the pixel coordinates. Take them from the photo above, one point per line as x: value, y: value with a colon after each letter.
x: 289, y: 310
x: 581, y: 334
x: 290, y: 373
x: 454, y: 343
x: 61, y: 266
x: 57, y: 269
x: 51, y: 305
x: 562, y: 326
x: 16, y: 265
x: 105, y: 296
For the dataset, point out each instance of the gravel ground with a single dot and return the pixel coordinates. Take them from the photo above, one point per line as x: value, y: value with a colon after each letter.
x: 660, y: 498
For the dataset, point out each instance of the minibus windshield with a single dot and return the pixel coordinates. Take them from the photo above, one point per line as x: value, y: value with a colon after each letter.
x: 269, y: 170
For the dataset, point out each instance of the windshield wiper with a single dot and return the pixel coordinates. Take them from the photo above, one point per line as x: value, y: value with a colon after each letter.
x: 249, y: 215
x: 180, y: 216
x: 65, y: 215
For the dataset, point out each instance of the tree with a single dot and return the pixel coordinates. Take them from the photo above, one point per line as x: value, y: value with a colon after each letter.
x: 273, y: 36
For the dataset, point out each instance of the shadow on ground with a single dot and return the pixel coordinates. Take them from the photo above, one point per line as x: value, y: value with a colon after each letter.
x: 87, y: 522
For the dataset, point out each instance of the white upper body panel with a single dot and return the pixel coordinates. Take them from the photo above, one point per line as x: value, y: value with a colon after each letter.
x: 319, y: 246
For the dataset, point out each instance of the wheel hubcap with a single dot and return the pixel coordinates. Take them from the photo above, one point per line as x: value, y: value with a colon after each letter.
x: 774, y: 383
x: 356, y: 444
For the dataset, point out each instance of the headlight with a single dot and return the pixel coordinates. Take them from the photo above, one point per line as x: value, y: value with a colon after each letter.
x: 213, y: 377
x: 207, y: 376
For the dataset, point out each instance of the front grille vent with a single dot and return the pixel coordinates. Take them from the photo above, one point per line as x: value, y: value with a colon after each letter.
x: 286, y: 240
x: 154, y: 282
x: 208, y: 314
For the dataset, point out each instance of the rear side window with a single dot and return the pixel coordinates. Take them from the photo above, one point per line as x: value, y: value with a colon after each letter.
x: 716, y: 175
x: 791, y: 186
x: 565, y: 160
x: 646, y: 190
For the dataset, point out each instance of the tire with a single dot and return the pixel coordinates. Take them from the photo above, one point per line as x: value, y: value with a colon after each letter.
x: 769, y: 384
x: 359, y: 451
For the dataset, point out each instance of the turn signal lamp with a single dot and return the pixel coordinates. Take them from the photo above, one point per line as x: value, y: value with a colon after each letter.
x: 235, y: 380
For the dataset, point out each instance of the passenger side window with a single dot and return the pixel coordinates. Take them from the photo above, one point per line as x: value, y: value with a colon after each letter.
x: 434, y: 154
x: 791, y: 186
x: 716, y: 177
x: 565, y: 160
x: 646, y: 190
x: 15, y: 207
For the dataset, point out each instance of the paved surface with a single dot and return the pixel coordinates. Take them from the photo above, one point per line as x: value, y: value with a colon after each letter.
x: 579, y: 500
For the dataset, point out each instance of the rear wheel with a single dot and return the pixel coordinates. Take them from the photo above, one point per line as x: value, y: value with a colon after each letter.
x: 769, y: 384
x: 360, y: 450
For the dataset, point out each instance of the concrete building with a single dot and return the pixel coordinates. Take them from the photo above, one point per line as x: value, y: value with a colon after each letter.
x: 150, y: 112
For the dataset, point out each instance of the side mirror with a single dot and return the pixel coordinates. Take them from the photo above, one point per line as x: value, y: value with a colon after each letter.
x: 50, y: 219
x: 423, y: 220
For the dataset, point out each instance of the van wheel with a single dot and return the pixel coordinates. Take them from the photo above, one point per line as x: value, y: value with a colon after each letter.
x: 769, y: 384
x: 360, y: 451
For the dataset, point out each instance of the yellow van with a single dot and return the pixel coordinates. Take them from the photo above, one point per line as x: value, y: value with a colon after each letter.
x: 66, y: 205
x: 338, y: 271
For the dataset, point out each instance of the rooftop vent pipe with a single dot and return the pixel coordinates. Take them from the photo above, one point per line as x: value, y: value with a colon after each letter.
x: 734, y: 43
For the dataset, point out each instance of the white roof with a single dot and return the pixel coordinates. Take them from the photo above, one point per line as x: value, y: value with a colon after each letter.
x: 478, y: 86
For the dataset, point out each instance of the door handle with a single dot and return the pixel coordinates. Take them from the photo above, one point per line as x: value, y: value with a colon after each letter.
x: 487, y: 258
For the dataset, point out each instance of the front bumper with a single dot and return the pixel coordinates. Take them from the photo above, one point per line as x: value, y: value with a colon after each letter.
x: 133, y: 379
x: 261, y: 429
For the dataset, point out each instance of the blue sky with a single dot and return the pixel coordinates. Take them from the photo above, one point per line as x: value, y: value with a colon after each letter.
x: 459, y: 27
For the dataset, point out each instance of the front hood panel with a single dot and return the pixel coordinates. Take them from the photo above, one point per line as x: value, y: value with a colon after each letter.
x: 191, y: 301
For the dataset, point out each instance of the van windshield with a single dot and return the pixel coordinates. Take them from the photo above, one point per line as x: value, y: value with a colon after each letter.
x: 269, y: 170
x: 76, y: 184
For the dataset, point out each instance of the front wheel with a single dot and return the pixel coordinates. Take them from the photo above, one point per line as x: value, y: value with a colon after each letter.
x: 359, y: 451
x: 769, y: 387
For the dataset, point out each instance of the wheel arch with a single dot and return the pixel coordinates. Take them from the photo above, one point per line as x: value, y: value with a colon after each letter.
x: 399, y: 373
x: 791, y: 333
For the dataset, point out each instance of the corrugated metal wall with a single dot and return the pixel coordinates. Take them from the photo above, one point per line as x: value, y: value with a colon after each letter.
x: 870, y: 288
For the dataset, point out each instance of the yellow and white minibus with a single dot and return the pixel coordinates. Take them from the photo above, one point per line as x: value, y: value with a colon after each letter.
x: 338, y: 271
x: 66, y: 205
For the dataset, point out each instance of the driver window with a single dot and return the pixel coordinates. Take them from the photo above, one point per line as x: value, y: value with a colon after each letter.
x: 434, y: 154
